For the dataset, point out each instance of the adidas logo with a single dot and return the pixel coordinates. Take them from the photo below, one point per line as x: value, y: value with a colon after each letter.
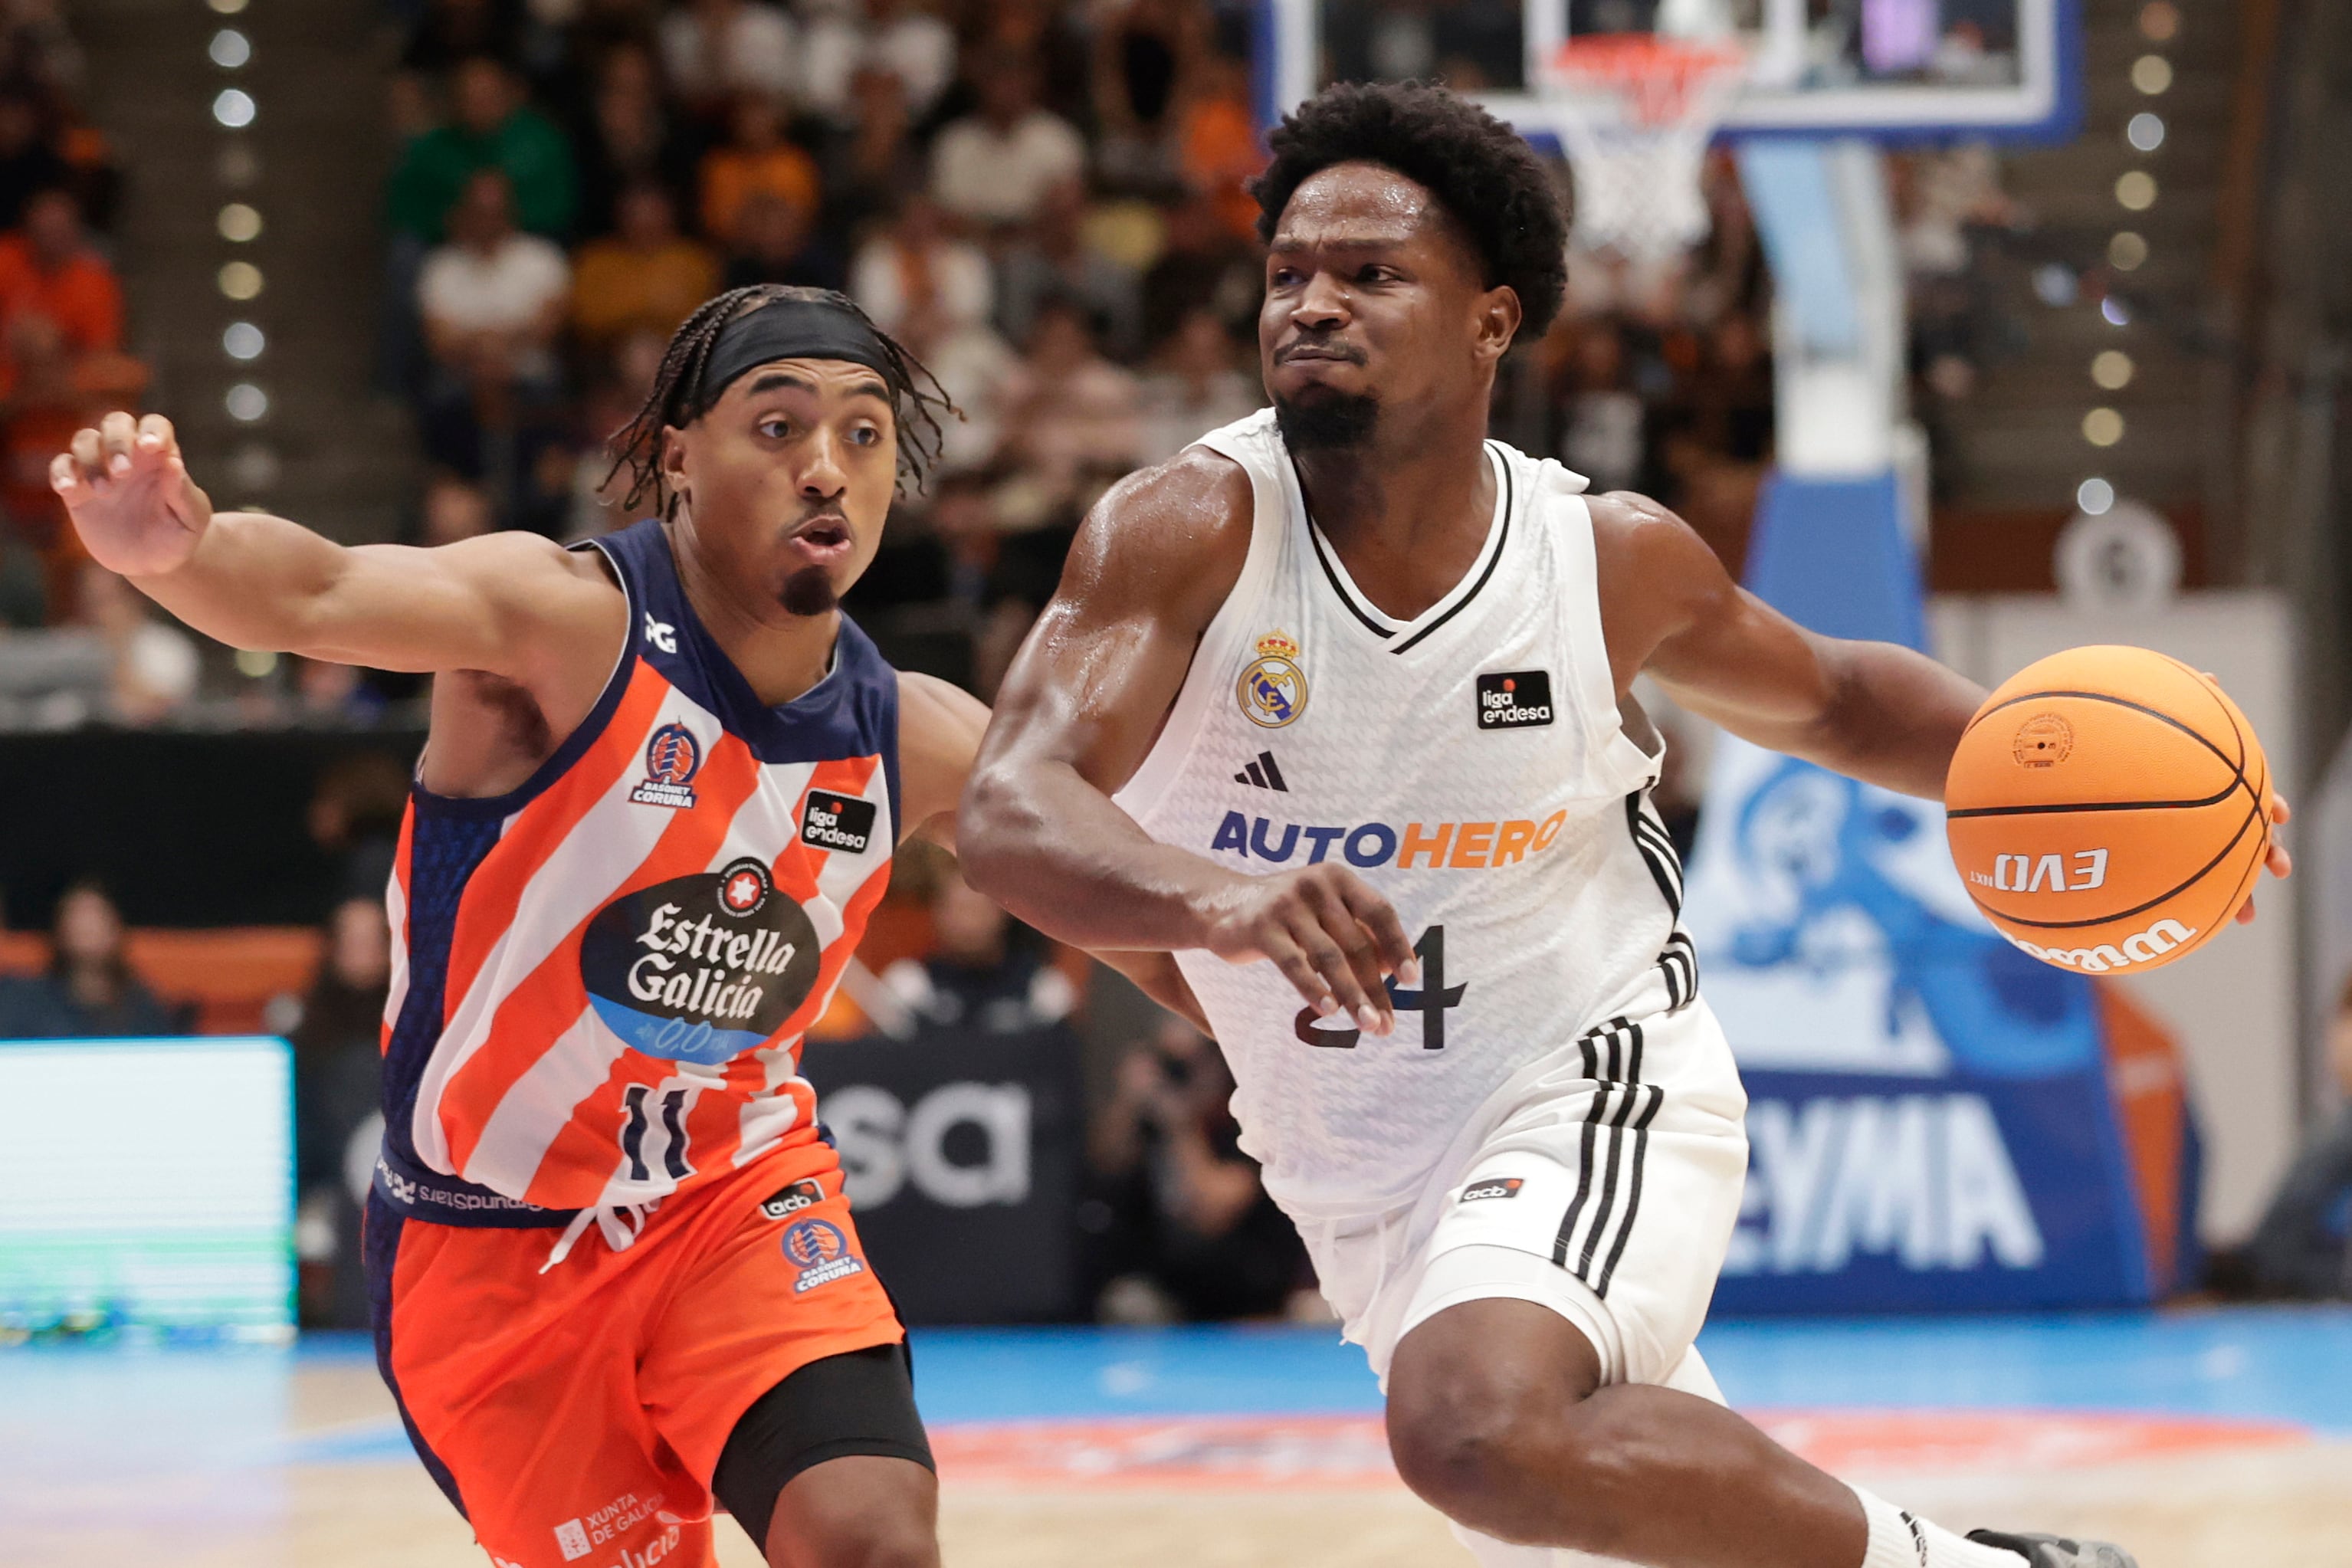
x: 1262, y: 773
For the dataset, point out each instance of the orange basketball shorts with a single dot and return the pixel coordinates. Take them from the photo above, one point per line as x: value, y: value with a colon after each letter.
x: 575, y: 1413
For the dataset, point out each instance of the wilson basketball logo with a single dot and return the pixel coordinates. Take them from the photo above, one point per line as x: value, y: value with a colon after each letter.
x: 2145, y: 947
x: 820, y: 1249
x: 673, y: 756
x: 1273, y: 690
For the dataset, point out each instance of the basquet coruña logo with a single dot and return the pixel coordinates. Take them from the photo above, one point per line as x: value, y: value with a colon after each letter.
x: 673, y: 756
x: 700, y: 968
x: 820, y: 1250
x: 1273, y: 690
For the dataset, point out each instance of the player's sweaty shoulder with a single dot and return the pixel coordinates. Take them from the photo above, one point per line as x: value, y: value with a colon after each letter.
x: 1655, y: 576
x: 1169, y: 540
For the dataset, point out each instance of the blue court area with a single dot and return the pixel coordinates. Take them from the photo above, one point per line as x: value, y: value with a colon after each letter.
x: 61, y: 1407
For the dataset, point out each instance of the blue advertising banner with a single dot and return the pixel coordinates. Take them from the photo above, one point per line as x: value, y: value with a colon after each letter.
x: 1930, y: 1120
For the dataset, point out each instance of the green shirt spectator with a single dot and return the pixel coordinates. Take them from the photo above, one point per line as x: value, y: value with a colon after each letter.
x: 494, y: 129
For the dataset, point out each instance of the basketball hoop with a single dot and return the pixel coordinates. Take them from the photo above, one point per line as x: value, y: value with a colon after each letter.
x: 1635, y: 111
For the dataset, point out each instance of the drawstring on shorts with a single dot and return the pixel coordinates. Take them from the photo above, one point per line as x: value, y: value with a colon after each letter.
x: 621, y: 1225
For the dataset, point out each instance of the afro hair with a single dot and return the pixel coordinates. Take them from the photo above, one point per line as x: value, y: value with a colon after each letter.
x: 1483, y: 173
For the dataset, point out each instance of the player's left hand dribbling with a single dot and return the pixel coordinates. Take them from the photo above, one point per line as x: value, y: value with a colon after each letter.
x: 1331, y: 934
x: 2280, y: 862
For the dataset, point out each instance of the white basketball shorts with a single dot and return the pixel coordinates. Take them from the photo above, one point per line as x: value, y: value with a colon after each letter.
x: 1602, y: 1182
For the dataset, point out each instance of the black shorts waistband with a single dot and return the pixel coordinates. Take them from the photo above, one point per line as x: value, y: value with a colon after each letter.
x: 415, y: 1193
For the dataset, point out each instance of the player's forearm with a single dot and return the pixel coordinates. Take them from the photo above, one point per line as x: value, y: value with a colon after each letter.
x: 1057, y: 853
x: 255, y: 581
x: 1157, y: 977
x: 1894, y: 718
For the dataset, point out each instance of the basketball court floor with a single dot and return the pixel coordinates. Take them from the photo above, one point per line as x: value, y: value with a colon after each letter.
x: 2204, y: 1439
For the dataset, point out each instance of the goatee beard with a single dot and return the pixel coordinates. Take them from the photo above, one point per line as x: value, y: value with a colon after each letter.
x: 1335, y: 420
x: 809, y: 592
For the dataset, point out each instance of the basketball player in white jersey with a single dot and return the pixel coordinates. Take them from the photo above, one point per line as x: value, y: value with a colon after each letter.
x: 1334, y: 705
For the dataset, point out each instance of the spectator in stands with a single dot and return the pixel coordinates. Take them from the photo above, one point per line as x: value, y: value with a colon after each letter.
x: 493, y: 302
x: 337, y: 1086
x: 88, y: 991
x: 453, y: 31
x: 754, y: 158
x: 29, y: 161
x: 2304, y: 1244
x: 1181, y: 1224
x: 977, y: 977
x: 1068, y: 412
x: 1054, y: 258
x: 43, y: 409
x: 645, y: 278
x: 714, y: 50
x: 1601, y: 414
x: 776, y: 242
x: 866, y: 171
x: 913, y: 46
x: 995, y: 167
x: 1142, y: 49
x: 48, y: 268
x: 156, y: 665
x: 932, y: 292
x: 1204, y: 263
x: 1195, y: 386
x: 354, y: 818
x: 493, y: 128
x: 627, y: 138
x: 1217, y: 145
x: 453, y: 511
x: 913, y: 276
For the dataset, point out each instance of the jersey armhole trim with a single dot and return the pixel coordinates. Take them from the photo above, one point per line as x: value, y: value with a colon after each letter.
x: 1617, y: 763
x: 575, y: 745
x: 1218, y: 639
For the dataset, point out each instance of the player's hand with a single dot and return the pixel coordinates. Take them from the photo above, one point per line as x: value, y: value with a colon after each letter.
x: 2280, y: 862
x: 128, y: 491
x: 1332, y: 936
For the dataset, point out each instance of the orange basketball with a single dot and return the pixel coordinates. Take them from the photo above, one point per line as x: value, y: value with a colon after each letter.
x: 2109, y: 809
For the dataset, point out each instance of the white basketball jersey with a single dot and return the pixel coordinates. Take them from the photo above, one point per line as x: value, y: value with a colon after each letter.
x: 1470, y: 765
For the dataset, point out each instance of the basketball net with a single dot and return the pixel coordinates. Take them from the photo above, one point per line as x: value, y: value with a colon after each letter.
x: 1635, y: 111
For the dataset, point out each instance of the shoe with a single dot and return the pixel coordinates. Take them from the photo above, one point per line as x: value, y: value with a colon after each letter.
x: 2056, y: 1551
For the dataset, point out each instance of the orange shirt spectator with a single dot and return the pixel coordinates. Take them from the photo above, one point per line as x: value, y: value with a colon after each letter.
x: 646, y: 277
x: 1217, y: 145
x: 48, y: 268
x: 757, y: 158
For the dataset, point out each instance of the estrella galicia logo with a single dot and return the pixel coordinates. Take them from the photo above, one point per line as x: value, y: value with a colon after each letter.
x: 673, y: 756
x: 700, y: 968
x: 1493, y: 1187
x: 840, y: 821
x: 1515, y: 700
x: 792, y: 1200
x: 820, y: 1250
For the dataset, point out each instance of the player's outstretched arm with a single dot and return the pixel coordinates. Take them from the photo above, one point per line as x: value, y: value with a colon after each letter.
x: 502, y: 603
x: 1078, y: 714
x: 1873, y: 711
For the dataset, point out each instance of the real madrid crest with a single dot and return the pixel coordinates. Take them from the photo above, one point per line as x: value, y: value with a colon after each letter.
x: 1273, y: 690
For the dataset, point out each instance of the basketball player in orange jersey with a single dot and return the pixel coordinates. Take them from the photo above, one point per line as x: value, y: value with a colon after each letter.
x: 660, y: 794
x: 1336, y: 706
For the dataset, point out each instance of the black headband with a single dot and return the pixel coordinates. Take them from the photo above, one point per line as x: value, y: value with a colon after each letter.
x: 789, y: 328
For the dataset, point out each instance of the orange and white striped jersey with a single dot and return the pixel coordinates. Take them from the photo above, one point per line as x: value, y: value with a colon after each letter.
x: 601, y: 981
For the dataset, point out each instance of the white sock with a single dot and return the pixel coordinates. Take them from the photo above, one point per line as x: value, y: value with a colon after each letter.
x: 1899, y: 1539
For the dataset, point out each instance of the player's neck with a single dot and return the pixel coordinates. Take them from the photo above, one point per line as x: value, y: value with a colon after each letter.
x: 1409, y: 512
x: 780, y: 655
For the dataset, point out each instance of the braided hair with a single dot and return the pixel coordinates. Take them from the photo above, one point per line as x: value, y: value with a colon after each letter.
x: 915, y: 392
